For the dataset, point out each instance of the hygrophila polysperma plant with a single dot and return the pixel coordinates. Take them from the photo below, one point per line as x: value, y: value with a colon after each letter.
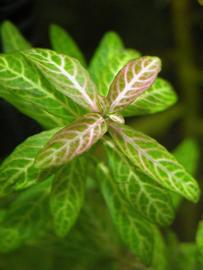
x: 82, y: 109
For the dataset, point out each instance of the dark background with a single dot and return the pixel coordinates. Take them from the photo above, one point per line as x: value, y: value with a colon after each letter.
x: 170, y: 29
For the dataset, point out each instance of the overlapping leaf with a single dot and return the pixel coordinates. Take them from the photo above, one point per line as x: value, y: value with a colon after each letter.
x: 68, y: 76
x: 116, y: 61
x: 131, y: 81
x: 22, y: 85
x: 27, y: 215
x: 187, y: 153
x: 12, y: 39
x: 157, y: 98
x: 160, y: 259
x: 107, y: 48
x: 134, y: 230
x: 72, y: 141
x: 17, y: 171
x: 62, y: 42
x: 67, y: 195
x: 142, y: 193
x: 154, y: 160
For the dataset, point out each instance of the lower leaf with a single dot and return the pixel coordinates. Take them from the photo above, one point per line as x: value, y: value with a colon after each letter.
x: 67, y: 195
x: 143, y: 193
x: 154, y: 160
x: 17, y: 171
x: 134, y: 230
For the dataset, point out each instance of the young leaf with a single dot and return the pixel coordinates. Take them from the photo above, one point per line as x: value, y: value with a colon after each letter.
x: 22, y: 85
x: 67, y: 195
x: 116, y: 61
x: 12, y: 39
x: 68, y: 76
x: 17, y: 171
x: 131, y: 81
x: 108, y: 46
x: 72, y: 141
x: 142, y: 193
x: 63, y: 43
x: 154, y: 160
x: 157, y: 98
x: 199, y: 244
x: 134, y: 230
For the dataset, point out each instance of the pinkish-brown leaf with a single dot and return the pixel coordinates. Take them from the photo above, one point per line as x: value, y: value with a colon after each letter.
x: 72, y: 141
x: 135, y: 77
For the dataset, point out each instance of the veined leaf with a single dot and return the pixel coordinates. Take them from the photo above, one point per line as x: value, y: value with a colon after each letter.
x: 187, y: 153
x: 154, y: 160
x: 142, y: 193
x: 131, y: 81
x: 157, y: 98
x: 134, y: 230
x: 62, y: 42
x: 116, y: 60
x: 72, y: 141
x: 199, y: 244
x: 12, y: 39
x: 67, y: 195
x: 17, y: 171
x: 22, y: 85
x: 107, y: 47
x: 27, y: 215
x: 68, y: 76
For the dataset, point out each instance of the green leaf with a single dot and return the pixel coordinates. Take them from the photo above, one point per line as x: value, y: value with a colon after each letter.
x: 186, y: 259
x: 116, y: 60
x: 160, y: 259
x: 143, y: 194
x: 68, y: 76
x: 131, y: 81
x: 187, y: 153
x: 72, y: 141
x: 22, y: 85
x: 157, y: 98
x: 67, y: 195
x: 12, y: 39
x: 63, y: 43
x: 154, y: 160
x: 134, y: 230
x: 17, y: 171
x: 199, y: 244
x: 9, y: 239
x: 27, y: 215
x: 108, y: 47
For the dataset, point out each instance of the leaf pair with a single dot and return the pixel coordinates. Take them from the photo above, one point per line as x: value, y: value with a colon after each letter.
x: 70, y: 78
x: 131, y: 81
